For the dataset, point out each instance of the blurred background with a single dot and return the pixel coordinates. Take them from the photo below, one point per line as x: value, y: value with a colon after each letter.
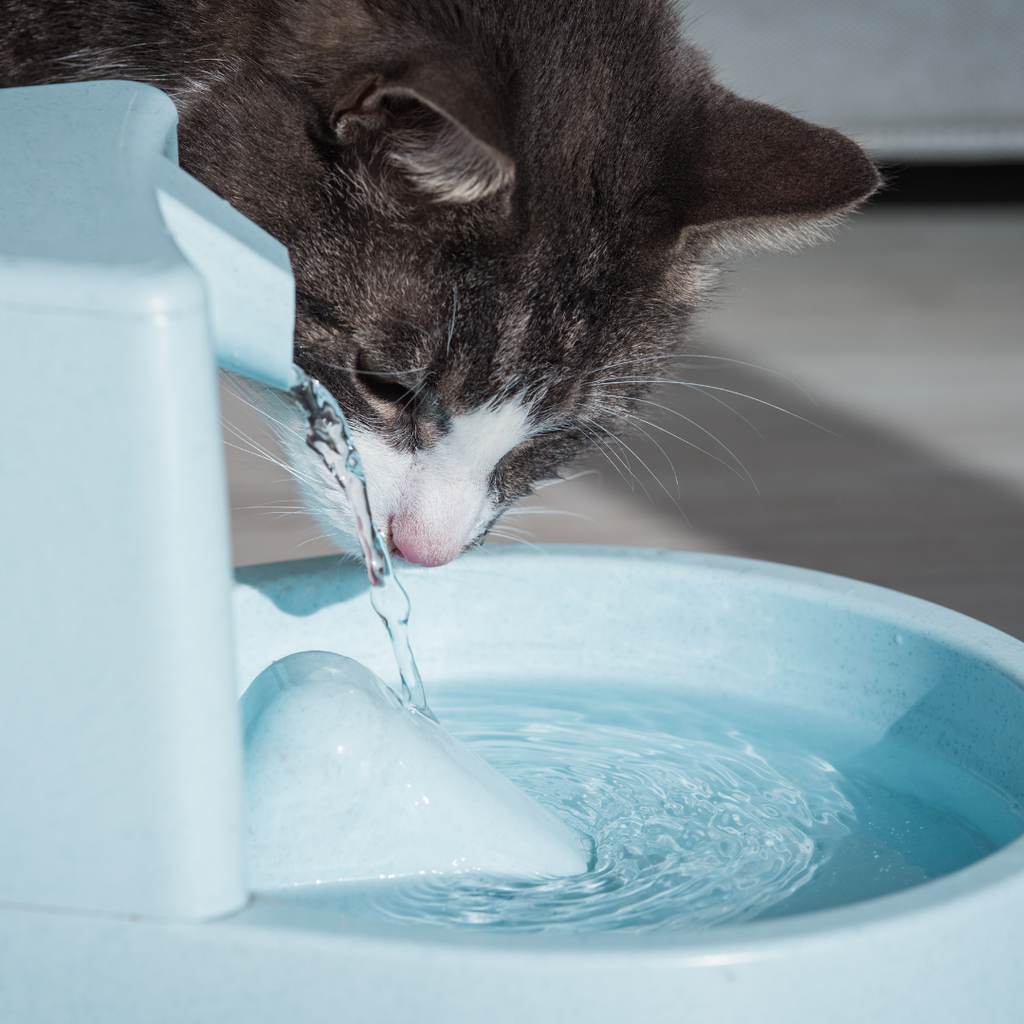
x: 857, y: 408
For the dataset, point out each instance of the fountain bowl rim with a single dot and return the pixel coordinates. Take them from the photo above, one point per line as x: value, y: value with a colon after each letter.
x: 984, y: 880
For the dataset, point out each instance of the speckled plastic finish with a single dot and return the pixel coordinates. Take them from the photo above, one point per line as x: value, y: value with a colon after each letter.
x: 344, y: 781
x: 788, y: 636
x: 948, y: 951
x: 121, y: 750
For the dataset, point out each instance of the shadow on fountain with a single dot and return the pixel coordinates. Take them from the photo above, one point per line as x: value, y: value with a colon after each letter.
x: 307, y: 591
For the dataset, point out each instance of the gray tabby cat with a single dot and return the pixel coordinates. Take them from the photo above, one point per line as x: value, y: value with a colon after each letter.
x: 492, y: 207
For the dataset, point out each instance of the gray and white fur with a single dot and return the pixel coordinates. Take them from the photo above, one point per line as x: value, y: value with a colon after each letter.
x: 492, y: 208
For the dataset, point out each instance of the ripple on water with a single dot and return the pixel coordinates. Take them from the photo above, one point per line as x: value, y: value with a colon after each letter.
x: 686, y: 833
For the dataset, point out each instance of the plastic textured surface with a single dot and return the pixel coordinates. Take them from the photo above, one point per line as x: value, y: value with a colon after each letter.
x: 343, y: 781
x: 97, y: 219
x: 120, y: 746
x: 120, y: 750
x: 947, y: 951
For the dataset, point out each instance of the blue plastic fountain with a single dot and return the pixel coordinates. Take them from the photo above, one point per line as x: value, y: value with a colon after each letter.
x: 125, y: 644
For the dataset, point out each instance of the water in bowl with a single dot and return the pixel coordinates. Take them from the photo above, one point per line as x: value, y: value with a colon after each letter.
x: 700, y: 815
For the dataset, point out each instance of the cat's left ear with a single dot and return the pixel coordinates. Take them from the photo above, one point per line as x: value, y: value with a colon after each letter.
x: 438, y: 123
x: 759, y: 167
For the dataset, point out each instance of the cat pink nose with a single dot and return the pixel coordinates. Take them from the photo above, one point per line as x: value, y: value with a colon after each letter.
x: 419, y: 548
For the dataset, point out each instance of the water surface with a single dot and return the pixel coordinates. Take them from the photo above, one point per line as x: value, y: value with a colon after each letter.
x: 698, y: 815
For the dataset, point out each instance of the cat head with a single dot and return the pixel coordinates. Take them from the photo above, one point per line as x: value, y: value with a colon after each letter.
x: 501, y: 216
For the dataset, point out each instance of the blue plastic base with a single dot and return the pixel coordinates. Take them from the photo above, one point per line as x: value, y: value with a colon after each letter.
x: 949, y: 950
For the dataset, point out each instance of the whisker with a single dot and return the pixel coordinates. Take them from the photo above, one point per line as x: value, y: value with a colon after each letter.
x: 657, y: 478
x: 269, y: 506
x: 414, y: 394
x: 258, y: 455
x: 711, y: 387
x: 755, y: 366
x: 599, y: 446
x: 294, y: 473
x: 760, y: 401
x: 255, y: 448
x: 332, y: 366
x: 744, y: 475
x: 705, y: 355
x: 513, y: 531
x: 642, y: 463
x: 676, y: 412
x: 704, y: 430
x: 546, y: 512
x: 722, y: 402
x: 608, y: 452
x: 668, y: 459
x: 311, y: 540
x: 514, y: 540
x: 248, y: 398
x: 565, y: 479
x: 636, y: 419
x: 682, y: 383
x: 279, y: 515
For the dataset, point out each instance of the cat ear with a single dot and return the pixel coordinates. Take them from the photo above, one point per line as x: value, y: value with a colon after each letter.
x: 439, y: 124
x: 761, y: 168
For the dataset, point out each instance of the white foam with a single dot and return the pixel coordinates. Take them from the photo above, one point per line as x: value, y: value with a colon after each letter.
x: 345, y: 782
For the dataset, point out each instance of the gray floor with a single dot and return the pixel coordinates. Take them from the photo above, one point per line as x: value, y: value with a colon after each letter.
x: 899, y: 459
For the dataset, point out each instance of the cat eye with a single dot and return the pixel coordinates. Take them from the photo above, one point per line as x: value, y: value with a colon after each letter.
x: 392, y: 386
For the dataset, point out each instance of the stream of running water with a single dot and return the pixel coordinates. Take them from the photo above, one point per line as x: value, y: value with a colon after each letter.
x: 329, y: 436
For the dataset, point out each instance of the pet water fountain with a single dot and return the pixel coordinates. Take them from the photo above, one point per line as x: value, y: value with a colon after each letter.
x: 124, y: 889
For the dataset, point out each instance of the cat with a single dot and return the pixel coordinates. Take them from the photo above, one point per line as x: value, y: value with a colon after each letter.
x: 502, y: 215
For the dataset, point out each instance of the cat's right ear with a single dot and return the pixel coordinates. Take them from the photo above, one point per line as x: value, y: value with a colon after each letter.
x: 762, y: 177
x: 436, y: 121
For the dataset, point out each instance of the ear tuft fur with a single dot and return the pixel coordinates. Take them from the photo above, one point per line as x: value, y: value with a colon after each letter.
x: 451, y: 164
x: 436, y: 123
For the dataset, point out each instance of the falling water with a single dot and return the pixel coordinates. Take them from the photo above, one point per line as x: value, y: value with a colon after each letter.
x: 329, y: 436
x: 697, y: 816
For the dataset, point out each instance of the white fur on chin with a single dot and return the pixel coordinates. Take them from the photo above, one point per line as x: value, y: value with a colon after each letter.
x: 428, y: 504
